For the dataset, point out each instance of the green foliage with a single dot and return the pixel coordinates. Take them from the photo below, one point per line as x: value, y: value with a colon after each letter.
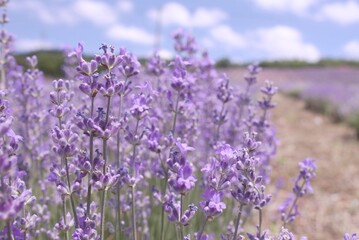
x: 294, y: 93
x: 285, y: 64
x: 326, y: 62
x: 325, y: 107
x: 50, y: 62
x: 353, y: 121
x: 223, y: 63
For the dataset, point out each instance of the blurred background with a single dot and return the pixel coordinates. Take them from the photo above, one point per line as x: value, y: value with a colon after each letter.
x: 240, y: 30
x: 309, y: 48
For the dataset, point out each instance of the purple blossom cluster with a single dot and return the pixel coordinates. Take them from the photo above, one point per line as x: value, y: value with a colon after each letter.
x: 115, y: 153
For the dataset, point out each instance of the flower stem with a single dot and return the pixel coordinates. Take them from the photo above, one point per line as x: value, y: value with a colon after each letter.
x: 88, y: 202
x: 118, y: 227
x: 104, y: 152
x: 108, y: 110
x: 219, y: 123
x: 260, y: 222
x: 118, y: 232
x: 175, y: 115
x: 181, y: 211
x: 90, y: 177
x: 163, y: 194
x: 238, y: 220
x: 10, y: 235
x: 71, y: 197
x: 103, y: 206
x: 286, y: 220
x: 65, y: 221
x: 133, y: 209
x: 202, y: 229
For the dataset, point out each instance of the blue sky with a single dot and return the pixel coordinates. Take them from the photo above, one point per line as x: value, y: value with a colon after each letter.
x: 243, y: 30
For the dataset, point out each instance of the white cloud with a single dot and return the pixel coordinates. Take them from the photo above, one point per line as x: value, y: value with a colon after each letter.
x: 174, y: 13
x: 39, y: 10
x: 340, y: 12
x: 283, y: 42
x: 207, y: 17
x: 26, y: 45
x: 131, y: 34
x: 351, y: 49
x: 125, y: 6
x: 96, y: 12
x: 165, y: 54
x: 295, y: 6
x: 226, y: 35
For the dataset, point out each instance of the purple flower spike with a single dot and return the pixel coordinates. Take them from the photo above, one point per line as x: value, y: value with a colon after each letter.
x: 188, y: 214
x: 183, y: 181
x: 78, y: 52
x: 353, y: 236
x: 212, y: 206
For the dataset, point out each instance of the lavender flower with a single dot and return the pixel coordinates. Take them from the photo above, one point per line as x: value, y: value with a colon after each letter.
x: 289, y: 209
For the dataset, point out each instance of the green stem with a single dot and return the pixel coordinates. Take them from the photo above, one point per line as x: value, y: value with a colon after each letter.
x: 164, y: 167
x: 181, y: 212
x: 133, y: 207
x: 89, y: 187
x: 260, y: 222
x: 175, y: 115
x: 202, y: 229
x: 103, y: 206
x: 65, y: 220
x: 10, y: 235
x: 118, y: 232
x: 133, y: 211
x: 293, y: 205
x: 118, y: 227
x: 92, y: 106
x: 108, y: 110
x: 71, y: 197
x: 237, y: 221
x: 104, y: 152
x: 219, y: 124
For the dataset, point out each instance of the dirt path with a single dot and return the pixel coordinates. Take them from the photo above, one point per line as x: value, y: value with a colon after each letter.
x: 334, y: 207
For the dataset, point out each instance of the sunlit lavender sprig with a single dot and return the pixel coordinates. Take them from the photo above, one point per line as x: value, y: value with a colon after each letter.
x: 64, y: 137
x: 14, y: 195
x: 302, y: 186
x: 218, y: 174
x: 249, y: 191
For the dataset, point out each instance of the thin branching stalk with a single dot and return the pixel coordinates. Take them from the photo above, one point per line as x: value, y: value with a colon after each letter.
x: 65, y: 220
x: 219, y: 123
x: 119, y: 157
x: 88, y: 202
x: 104, y: 152
x: 202, y: 229
x: 173, y: 129
x: 71, y: 197
x: 10, y: 235
x: 286, y: 220
x: 238, y: 221
x: 103, y: 200
x: 133, y: 197
x: 180, y: 217
x: 89, y: 187
x: 133, y: 212
x: 260, y: 222
x: 175, y: 115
